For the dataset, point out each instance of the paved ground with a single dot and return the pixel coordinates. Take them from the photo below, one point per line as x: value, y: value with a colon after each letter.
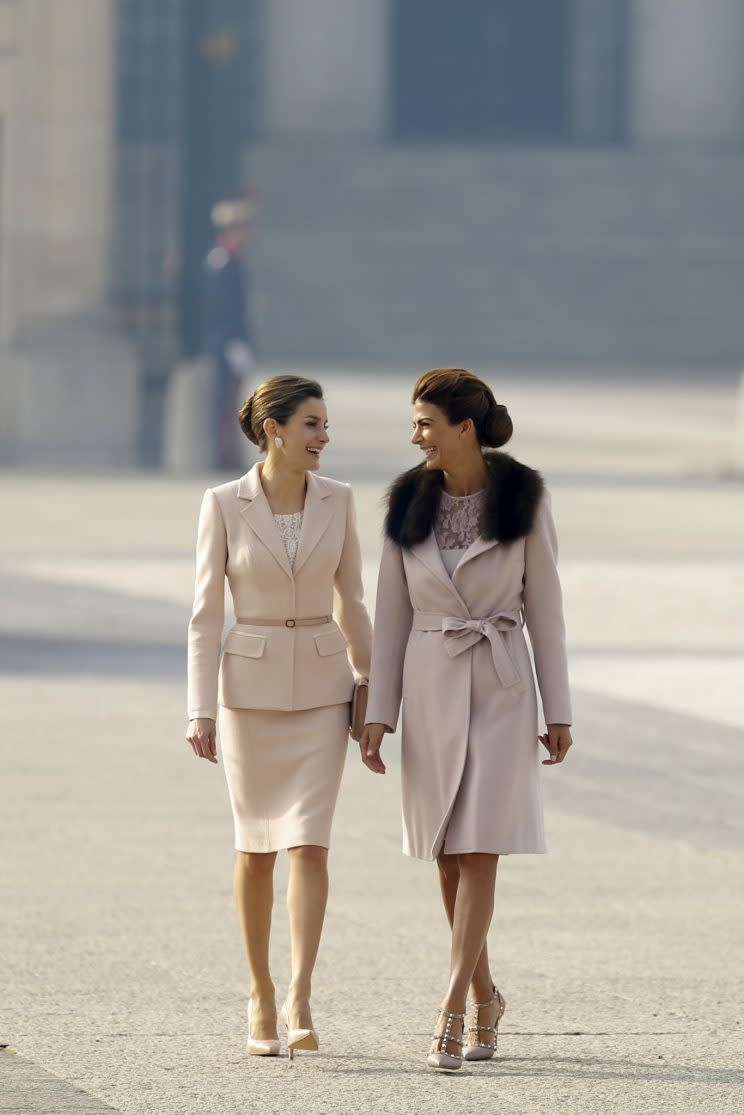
x: 619, y: 952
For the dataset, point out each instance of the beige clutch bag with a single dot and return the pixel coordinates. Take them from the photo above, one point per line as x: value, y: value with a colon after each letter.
x: 358, y: 709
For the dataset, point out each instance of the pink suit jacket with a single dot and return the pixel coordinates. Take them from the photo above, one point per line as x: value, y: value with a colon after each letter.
x: 276, y: 667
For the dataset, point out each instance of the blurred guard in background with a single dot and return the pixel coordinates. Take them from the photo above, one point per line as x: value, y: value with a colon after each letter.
x: 228, y: 337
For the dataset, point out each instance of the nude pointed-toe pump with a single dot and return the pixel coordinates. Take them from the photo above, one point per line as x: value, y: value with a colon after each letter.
x: 441, y: 1058
x: 298, y: 1039
x: 260, y: 1047
x: 476, y: 1048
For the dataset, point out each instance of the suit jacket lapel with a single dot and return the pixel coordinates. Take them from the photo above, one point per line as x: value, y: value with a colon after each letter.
x: 257, y: 514
x: 428, y: 553
x: 480, y: 546
x: 318, y: 514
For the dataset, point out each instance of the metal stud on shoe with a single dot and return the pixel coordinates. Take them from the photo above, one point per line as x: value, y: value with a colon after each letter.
x: 440, y: 1058
x: 475, y: 1049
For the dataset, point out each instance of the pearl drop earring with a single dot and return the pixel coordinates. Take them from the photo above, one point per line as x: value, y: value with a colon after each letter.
x: 278, y: 441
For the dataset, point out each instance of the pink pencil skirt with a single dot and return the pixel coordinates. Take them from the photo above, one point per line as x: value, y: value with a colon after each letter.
x: 283, y: 772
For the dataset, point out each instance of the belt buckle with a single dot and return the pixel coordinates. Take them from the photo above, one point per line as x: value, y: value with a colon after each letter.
x: 289, y: 623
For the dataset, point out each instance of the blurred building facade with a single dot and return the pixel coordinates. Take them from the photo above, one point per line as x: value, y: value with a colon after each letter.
x: 122, y: 123
x: 482, y: 181
x: 503, y: 181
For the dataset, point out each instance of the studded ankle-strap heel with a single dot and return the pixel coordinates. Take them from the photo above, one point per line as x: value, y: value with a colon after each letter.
x: 441, y: 1058
x: 476, y: 1049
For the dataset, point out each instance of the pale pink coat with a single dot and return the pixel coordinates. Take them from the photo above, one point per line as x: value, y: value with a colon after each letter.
x: 453, y: 650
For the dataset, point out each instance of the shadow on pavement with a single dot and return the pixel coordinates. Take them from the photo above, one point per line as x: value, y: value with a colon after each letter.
x: 63, y: 656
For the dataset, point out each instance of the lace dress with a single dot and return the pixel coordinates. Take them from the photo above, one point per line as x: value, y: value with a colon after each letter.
x: 456, y: 526
x: 289, y: 527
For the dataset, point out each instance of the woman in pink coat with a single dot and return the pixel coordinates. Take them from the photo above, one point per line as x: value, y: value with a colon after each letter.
x: 469, y: 557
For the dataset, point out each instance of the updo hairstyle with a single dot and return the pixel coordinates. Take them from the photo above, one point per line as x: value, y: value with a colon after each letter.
x: 462, y: 395
x: 278, y: 398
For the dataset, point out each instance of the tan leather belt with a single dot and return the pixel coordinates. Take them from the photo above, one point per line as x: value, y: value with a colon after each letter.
x: 313, y: 621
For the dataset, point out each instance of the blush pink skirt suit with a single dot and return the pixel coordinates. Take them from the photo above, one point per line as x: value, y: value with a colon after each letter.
x: 283, y: 685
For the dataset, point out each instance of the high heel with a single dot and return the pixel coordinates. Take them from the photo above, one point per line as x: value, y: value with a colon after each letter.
x: 298, y: 1039
x: 475, y: 1049
x: 260, y: 1047
x: 440, y: 1058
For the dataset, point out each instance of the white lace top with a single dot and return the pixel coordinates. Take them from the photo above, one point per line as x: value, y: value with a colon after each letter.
x: 457, y: 525
x: 289, y: 527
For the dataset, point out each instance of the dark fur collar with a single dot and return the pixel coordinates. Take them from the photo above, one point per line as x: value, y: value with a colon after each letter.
x: 512, y: 494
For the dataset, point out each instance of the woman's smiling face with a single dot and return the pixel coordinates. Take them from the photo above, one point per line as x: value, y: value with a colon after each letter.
x: 305, y: 434
x: 439, y: 441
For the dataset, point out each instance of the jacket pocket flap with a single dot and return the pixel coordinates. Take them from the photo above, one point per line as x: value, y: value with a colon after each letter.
x: 249, y: 646
x: 332, y: 642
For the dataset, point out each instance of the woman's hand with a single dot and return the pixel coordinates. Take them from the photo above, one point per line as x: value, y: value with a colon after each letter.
x: 557, y: 741
x: 202, y: 735
x: 369, y: 746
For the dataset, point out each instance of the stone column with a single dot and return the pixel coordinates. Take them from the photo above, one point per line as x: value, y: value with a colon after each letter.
x: 687, y: 80
x: 326, y: 69
x: 62, y: 146
x: 68, y: 382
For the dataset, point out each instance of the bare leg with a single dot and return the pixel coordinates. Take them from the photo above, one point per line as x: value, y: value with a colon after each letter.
x: 481, y: 986
x: 471, y: 917
x: 307, y: 894
x: 254, y: 895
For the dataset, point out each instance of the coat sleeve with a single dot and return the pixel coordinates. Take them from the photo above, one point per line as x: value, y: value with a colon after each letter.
x: 393, y: 618
x: 349, y: 610
x: 208, y: 616
x: 543, y: 613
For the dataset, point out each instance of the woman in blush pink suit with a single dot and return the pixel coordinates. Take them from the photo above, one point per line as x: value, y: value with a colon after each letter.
x: 469, y: 557
x: 286, y: 541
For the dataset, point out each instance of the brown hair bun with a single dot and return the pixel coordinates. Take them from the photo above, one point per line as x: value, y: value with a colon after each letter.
x: 501, y: 428
x: 245, y: 418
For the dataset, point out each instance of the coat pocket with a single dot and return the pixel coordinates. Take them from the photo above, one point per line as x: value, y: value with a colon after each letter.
x: 247, y: 646
x: 332, y: 642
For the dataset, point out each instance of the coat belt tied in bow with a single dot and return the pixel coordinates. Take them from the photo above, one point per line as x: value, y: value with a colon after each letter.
x: 461, y: 634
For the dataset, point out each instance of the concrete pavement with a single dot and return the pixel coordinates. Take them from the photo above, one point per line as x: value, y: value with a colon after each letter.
x: 618, y: 953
